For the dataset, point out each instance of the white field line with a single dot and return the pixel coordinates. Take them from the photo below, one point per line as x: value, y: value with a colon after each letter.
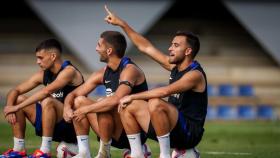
x: 225, y: 153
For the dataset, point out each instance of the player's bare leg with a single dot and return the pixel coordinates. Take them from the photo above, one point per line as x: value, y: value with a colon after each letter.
x: 19, y: 127
x: 134, y: 117
x: 163, y: 117
x: 82, y: 127
x: 110, y: 126
x: 52, y: 111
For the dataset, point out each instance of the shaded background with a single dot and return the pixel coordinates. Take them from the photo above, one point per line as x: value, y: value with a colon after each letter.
x: 239, y: 52
x: 239, y: 48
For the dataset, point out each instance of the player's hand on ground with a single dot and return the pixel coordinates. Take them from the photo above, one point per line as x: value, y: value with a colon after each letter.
x: 124, y: 102
x: 112, y: 18
x: 11, y: 118
x: 10, y: 109
x: 67, y: 114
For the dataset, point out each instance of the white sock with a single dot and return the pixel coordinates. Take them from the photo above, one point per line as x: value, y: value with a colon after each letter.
x: 46, y: 144
x: 18, y: 144
x: 83, y: 145
x: 135, y: 145
x: 104, y: 147
x: 164, y: 145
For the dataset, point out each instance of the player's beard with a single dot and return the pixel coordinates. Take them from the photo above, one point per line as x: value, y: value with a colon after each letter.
x: 103, y: 59
x: 174, y: 60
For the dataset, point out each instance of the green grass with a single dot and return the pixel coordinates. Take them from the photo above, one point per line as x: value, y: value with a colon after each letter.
x: 33, y: 142
x: 260, y: 139
x: 253, y: 139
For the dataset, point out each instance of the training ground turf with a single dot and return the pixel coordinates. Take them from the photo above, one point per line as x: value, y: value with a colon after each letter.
x: 222, y: 139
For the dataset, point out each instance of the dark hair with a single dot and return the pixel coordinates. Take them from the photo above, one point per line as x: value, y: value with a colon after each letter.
x: 49, y: 44
x: 191, y: 39
x: 117, y: 40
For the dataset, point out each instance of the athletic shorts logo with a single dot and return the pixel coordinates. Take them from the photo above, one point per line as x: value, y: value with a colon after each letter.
x: 57, y: 95
x: 177, y: 95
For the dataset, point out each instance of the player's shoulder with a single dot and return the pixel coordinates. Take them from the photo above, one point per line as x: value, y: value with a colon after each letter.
x: 132, y: 67
x: 69, y: 69
x: 194, y: 75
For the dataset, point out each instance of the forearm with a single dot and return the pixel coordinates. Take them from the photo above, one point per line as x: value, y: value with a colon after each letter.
x: 33, y: 99
x: 69, y: 101
x: 104, y: 105
x: 154, y: 93
x: 146, y: 47
x: 12, y: 97
x: 138, y: 40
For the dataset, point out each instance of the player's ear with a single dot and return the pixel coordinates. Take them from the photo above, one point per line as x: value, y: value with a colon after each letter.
x: 109, y: 51
x: 53, y: 56
x: 188, y: 51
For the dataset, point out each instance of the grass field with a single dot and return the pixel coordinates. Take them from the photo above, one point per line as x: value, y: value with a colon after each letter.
x: 248, y: 139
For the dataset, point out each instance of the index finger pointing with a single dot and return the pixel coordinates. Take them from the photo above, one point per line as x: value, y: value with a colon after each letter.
x: 107, y: 10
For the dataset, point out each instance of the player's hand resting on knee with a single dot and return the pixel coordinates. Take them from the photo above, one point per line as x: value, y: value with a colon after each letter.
x: 67, y: 114
x: 124, y: 102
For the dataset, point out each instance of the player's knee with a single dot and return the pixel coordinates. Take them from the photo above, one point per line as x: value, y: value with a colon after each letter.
x: 47, y: 103
x: 133, y: 108
x: 20, y: 99
x: 78, y: 102
x: 104, y: 117
x: 155, y: 105
x: 125, y: 112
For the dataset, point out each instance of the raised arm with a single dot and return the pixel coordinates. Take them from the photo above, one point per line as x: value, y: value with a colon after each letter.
x: 139, y: 41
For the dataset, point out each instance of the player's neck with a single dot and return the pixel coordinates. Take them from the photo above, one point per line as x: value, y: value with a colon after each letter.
x: 56, y: 67
x: 114, y: 63
x: 184, y: 64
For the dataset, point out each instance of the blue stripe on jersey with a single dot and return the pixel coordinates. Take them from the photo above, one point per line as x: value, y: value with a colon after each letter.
x: 125, y: 61
x: 65, y: 63
x: 194, y: 65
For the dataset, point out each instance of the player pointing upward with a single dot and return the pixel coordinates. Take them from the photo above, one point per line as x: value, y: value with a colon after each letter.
x: 179, y: 122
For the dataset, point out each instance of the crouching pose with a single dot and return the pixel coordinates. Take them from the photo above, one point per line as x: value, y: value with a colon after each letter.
x: 44, y: 109
x: 179, y: 121
x: 120, y: 77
